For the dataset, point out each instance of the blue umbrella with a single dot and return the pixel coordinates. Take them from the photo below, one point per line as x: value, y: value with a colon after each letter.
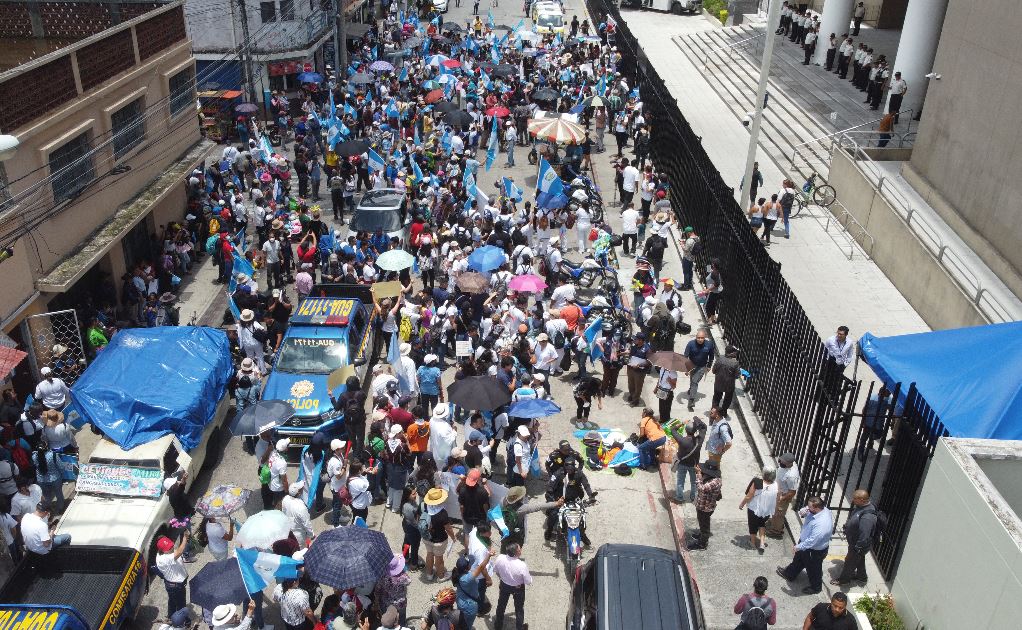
x: 263, y: 415
x: 486, y: 258
x: 310, y: 77
x: 218, y: 583
x: 346, y: 557
x: 533, y: 408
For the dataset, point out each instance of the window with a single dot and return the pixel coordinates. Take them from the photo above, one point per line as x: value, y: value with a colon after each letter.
x: 182, y: 91
x: 287, y: 9
x: 128, y: 126
x: 71, y: 168
x: 268, y: 11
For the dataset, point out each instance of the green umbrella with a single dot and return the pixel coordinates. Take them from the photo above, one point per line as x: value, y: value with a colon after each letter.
x: 395, y: 260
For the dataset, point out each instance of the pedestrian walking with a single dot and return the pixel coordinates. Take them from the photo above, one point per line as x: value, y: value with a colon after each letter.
x: 708, y: 492
x: 788, y: 480
x: 857, y: 17
x: 760, y: 501
x: 860, y: 531
x: 720, y: 437
x: 812, y: 546
x: 685, y: 462
x: 714, y: 290
x: 726, y: 371
x: 840, y: 354
x: 691, y: 246
x: 832, y: 615
x: 514, y: 576
x: 757, y: 609
x: 638, y: 368
x: 700, y: 352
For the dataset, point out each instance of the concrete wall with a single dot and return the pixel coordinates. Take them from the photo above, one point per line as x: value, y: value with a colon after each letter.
x: 216, y: 25
x: 962, y: 563
x: 900, y: 254
x: 967, y: 147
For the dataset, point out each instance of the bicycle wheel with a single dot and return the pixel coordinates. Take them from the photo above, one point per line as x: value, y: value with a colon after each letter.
x: 796, y: 206
x: 824, y: 195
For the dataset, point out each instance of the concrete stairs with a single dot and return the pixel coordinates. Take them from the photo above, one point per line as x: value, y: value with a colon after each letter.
x: 801, y: 98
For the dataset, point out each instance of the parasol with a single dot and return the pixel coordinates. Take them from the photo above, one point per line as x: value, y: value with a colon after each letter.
x: 527, y: 284
x: 556, y: 130
x: 472, y: 282
x: 222, y: 500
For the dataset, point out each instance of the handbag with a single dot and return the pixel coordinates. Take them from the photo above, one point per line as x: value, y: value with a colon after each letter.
x: 344, y: 495
x: 661, y: 393
x: 756, y: 221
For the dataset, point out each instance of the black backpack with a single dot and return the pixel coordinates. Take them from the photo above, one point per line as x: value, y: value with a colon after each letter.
x: 697, y: 247
x: 756, y: 616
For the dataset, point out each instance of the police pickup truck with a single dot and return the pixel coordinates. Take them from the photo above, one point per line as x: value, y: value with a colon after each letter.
x: 329, y: 330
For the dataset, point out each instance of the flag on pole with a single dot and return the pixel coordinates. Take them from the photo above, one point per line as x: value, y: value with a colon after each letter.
x: 496, y: 515
x: 260, y: 569
x: 491, y: 150
x: 376, y: 163
x: 549, y: 187
x: 391, y: 110
x: 591, y: 332
x: 416, y: 171
x: 489, y: 18
x: 511, y: 190
x: 404, y: 74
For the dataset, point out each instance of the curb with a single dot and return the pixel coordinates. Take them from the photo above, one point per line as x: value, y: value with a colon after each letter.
x: 678, y: 525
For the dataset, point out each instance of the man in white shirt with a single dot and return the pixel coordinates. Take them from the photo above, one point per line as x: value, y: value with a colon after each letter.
x: 898, y: 90
x: 840, y: 353
x: 26, y: 498
x: 274, y: 274
x: 554, y: 257
x: 518, y: 463
x: 564, y: 292
x: 630, y: 228
x: 301, y: 521
x: 629, y: 182
x: 278, y: 470
x: 810, y: 46
x: 52, y: 391
x: 337, y: 473
x: 170, y: 562
x: 547, y: 358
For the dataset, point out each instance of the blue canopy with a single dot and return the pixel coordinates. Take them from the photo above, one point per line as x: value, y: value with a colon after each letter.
x: 149, y: 382
x: 969, y: 376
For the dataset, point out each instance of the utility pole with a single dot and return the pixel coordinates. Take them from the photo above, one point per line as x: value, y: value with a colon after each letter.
x: 246, y: 58
x: 340, y: 40
x: 773, y: 19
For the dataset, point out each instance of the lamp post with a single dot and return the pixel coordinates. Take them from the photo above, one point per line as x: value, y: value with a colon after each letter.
x: 773, y: 19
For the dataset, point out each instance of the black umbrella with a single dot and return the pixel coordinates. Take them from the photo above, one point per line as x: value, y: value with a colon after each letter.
x: 351, y: 147
x: 458, y: 118
x: 440, y: 39
x: 487, y: 66
x: 218, y: 583
x: 546, y: 94
x: 481, y: 393
x: 263, y: 415
x: 504, y: 70
x: 246, y: 108
x: 395, y: 54
x: 445, y: 106
x: 413, y: 41
x: 454, y: 27
x: 502, y: 27
x: 345, y: 557
x: 361, y: 78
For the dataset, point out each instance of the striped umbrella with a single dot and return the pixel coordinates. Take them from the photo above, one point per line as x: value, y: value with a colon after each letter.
x: 556, y: 130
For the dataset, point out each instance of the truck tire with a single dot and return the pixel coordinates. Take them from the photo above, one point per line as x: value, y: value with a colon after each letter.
x: 676, y: 8
x: 150, y: 557
x: 212, y: 450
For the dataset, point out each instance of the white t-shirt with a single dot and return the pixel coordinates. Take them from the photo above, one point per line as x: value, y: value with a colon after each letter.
x: 521, y: 450
x: 7, y: 526
x: 630, y: 221
x: 278, y: 467
x: 561, y: 295
x: 52, y: 393
x: 36, y: 533
x: 173, y: 569
x: 546, y: 357
x: 334, y: 469
x: 360, y: 495
x: 215, y: 532
x: 22, y: 504
x: 630, y: 177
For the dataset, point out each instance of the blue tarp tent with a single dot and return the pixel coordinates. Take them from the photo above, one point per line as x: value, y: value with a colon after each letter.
x: 969, y: 376
x: 153, y: 381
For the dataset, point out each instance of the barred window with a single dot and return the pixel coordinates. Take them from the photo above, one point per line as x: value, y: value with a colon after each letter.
x: 71, y: 168
x: 182, y: 91
x: 287, y: 9
x: 128, y: 126
x: 268, y: 11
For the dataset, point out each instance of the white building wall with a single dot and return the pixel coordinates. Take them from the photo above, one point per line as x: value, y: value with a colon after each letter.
x: 216, y: 25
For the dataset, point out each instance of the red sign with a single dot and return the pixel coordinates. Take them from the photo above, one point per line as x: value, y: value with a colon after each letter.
x: 279, y: 68
x: 307, y: 67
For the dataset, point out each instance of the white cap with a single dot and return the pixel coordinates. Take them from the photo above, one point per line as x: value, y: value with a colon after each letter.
x: 295, y: 488
x: 282, y: 444
x: 169, y: 483
x: 46, y: 371
x: 523, y: 431
x: 395, y: 430
x: 337, y: 444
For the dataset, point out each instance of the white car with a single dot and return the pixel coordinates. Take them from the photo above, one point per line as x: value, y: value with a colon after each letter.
x: 117, y: 511
x: 440, y: 5
x: 383, y: 209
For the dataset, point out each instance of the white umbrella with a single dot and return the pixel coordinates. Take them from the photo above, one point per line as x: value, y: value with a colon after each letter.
x: 261, y: 530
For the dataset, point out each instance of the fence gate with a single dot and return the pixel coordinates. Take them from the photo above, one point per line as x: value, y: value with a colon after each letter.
x: 836, y: 400
x: 55, y: 341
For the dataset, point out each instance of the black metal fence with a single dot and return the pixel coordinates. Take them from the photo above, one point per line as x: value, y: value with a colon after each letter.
x: 802, y: 407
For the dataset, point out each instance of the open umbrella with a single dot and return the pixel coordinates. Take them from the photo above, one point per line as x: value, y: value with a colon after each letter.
x: 217, y: 583
x: 350, y: 148
x: 361, y: 78
x: 436, y: 60
x: 261, y: 530
x: 246, y: 108
x: 413, y: 42
x: 451, y: 63
x: 472, y: 282
x: 310, y: 77
x: 395, y: 260
x: 481, y: 393
x: 397, y: 53
x: 527, y: 283
x: 502, y: 27
x: 381, y: 66
x: 486, y: 258
x: 594, y: 101
x: 440, y: 39
x: 498, y: 111
x: 533, y: 408
x: 546, y: 94
x: 222, y: 500
x: 434, y: 95
x: 346, y: 557
x: 262, y: 416
x: 504, y: 70
x: 457, y: 118
x: 556, y: 130
x: 453, y: 27
x: 445, y: 106
x: 671, y: 361
x: 446, y: 78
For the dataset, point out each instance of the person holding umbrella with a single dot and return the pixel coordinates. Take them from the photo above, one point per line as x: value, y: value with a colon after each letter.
x: 225, y: 617
x: 218, y: 538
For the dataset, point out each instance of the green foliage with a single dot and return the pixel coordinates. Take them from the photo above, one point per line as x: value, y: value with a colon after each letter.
x: 717, y: 8
x: 879, y: 609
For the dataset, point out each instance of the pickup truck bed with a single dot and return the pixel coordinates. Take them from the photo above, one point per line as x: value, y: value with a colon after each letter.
x: 85, y: 578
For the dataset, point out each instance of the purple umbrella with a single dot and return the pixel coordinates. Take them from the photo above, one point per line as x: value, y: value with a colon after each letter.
x: 381, y: 66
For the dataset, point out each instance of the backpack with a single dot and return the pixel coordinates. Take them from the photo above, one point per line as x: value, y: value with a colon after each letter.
x: 755, y: 617
x: 425, y: 522
x: 697, y: 247
x: 559, y: 339
x: 448, y: 621
x: 881, y: 524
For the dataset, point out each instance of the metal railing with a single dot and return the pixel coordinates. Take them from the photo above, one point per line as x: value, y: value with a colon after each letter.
x: 838, y: 214
x: 960, y: 270
x: 732, y: 47
x: 798, y: 151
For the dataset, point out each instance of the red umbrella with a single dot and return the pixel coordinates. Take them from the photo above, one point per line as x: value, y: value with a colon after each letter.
x: 451, y: 63
x: 434, y: 96
x: 499, y: 111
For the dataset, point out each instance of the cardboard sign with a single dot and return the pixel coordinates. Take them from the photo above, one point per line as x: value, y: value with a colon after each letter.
x: 463, y: 348
x: 339, y: 376
x: 383, y: 290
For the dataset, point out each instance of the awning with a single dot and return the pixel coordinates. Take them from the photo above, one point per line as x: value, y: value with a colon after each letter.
x: 226, y: 94
x: 9, y: 359
x: 128, y: 215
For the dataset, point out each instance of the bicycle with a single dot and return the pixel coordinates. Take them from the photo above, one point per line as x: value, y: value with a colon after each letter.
x: 810, y: 193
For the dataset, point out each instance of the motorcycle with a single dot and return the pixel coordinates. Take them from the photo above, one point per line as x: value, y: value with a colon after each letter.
x: 571, y: 518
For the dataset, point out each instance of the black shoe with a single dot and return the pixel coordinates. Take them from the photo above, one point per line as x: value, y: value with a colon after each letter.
x: 779, y: 571
x: 809, y: 590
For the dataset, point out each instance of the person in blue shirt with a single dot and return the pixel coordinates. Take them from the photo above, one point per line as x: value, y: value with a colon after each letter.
x: 700, y: 352
x: 380, y: 241
x: 811, y: 550
x: 874, y: 421
x: 428, y: 378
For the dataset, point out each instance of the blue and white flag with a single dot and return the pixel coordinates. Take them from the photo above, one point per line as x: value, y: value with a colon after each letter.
x: 425, y: 46
x: 376, y: 163
x: 496, y: 516
x: 489, y: 18
x: 349, y: 110
x: 511, y: 190
x: 417, y: 140
x: 549, y: 187
x: 601, y: 85
x: 591, y: 332
x: 260, y: 569
x: 491, y: 150
x: 391, y: 110
x: 404, y: 74
x: 416, y: 171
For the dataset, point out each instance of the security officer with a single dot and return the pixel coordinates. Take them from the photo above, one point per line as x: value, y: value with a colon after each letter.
x: 555, y: 461
x: 569, y: 483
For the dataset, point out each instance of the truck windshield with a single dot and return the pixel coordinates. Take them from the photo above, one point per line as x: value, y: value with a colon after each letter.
x: 312, y: 356
x: 550, y: 20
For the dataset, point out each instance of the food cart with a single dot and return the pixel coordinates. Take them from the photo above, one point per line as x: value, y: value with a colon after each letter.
x: 216, y: 110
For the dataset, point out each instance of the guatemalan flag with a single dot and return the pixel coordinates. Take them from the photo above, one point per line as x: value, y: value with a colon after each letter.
x: 591, y: 332
x: 260, y: 569
x: 511, y: 190
x: 549, y: 187
x: 376, y: 163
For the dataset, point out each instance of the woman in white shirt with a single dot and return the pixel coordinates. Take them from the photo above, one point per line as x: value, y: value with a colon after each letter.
x: 358, y: 486
x: 761, y: 499
x: 583, y: 224
x: 756, y: 215
x: 217, y: 536
x: 772, y: 212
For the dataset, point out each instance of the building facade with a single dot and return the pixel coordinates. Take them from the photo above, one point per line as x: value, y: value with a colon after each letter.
x: 108, y: 133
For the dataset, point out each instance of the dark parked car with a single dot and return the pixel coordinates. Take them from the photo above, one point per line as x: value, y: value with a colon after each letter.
x: 625, y: 587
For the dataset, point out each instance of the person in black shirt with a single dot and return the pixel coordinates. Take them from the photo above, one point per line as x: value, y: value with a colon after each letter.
x: 474, y: 498
x: 831, y: 616
x: 181, y: 505
x: 555, y: 461
x: 353, y: 404
x: 473, y: 452
x: 568, y: 483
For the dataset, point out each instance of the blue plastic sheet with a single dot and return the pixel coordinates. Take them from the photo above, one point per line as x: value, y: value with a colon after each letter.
x: 150, y: 382
x: 968, y: 376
